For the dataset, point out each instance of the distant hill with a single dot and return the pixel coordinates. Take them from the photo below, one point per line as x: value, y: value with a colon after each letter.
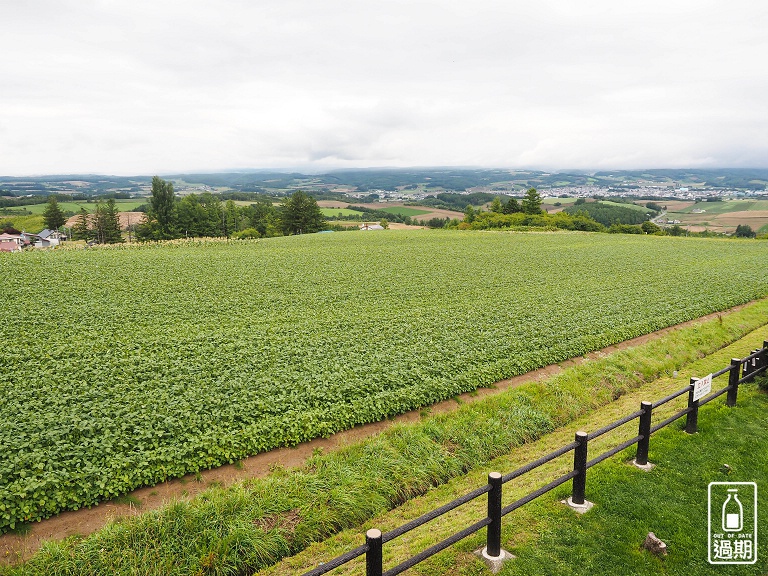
x: 416, y: 181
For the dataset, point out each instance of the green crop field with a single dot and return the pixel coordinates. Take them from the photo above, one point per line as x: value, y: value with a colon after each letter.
x: 404, y: 210
x: 345, y: 212
x: 553, y: 199
x: 32, y: 223
x: 122, y: 206
x: 131, y: 365
x: 727, y: 206
x: 637, y: 207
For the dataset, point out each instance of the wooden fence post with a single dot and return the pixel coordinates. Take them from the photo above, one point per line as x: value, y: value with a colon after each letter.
x: 373, y: 558
x: 733, y: 382
x: 692, y: 419
x: 644, y: 430
x: 580, y: 466
x: 493, y: 535
x: 765, y: 355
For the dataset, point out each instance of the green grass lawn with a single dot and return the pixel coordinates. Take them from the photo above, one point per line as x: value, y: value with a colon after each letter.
x: 405, y: 210
x: 345, y: 212
x: 549, y: 538
x: 670, y: 501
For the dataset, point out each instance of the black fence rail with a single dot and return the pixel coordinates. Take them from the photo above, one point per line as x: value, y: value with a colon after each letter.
x: 699, y: 392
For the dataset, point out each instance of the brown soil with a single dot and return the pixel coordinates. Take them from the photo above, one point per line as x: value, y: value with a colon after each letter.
x: 14, y: 548
x: 755, y: 218
x: 332, y: 204
x: 726, y: 222
x: 126, y: 219
x: 675, y: 205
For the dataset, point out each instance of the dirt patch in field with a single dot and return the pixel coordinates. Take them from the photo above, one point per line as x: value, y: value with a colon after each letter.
x: 675, y: 205
x: 754, y: 218
x: 126, y: 219
x: 15, y: 548
x: 725, y: 222
x: 332, y: 204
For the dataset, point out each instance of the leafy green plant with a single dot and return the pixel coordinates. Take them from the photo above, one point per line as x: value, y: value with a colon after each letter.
x: 148, y: 363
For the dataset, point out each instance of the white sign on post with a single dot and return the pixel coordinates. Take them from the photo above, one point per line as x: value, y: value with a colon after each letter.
x: 702, y: 387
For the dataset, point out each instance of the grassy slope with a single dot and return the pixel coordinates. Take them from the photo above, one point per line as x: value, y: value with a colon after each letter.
x: 637, y: 207
x: 251, y: 526
x: 32, y: 223
x: 122, y: 206
x: 550, y: 539
x: 670, y: 501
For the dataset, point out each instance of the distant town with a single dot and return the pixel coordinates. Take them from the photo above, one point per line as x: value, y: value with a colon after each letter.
x: 403, y: 185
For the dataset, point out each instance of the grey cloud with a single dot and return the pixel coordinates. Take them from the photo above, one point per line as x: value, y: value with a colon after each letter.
x: 115, y: 86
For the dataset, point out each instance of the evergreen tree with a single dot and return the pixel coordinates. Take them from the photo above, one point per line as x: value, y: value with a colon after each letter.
x: 512, y: 206
x: 99, y: 223
x: 496, y: 205
x: 82, y: 229
x: 111, y: 217
x: 300, y: 214
x: 532, y: 202
x: 53, y: 216
x: 106, y: 223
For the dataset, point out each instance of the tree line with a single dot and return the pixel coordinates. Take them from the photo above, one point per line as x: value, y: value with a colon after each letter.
x: 168, y: 217
x: 609, y: 214
x: 101, y: 227
x: 511, y: 214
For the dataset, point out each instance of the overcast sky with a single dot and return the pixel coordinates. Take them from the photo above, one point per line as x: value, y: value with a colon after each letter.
x: 154, y: 87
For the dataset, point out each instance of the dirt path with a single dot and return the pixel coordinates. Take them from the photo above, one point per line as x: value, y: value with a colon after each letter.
x: 14, y: 548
